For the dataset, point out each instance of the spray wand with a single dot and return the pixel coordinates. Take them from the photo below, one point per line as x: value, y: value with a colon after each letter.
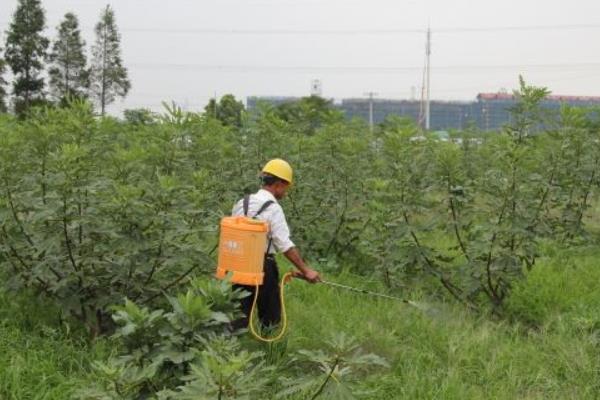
x: 363, y: 291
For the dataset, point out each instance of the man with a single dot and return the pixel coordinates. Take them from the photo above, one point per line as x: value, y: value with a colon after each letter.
x: 276, y: 178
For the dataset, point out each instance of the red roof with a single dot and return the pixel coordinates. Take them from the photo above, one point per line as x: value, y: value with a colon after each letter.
x: 508, y: 96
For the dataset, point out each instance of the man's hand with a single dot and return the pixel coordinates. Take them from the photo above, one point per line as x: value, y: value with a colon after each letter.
x: 305, y: 272
x: 309, y: 275
x: 312, y: 276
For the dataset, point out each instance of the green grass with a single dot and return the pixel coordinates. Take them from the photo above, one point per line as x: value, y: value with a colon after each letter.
x: 546, y: 347
x: 549, y: 348
x: 37, y: 359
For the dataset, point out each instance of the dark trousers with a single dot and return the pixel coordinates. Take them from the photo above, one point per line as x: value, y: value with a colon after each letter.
x: 268, y: 303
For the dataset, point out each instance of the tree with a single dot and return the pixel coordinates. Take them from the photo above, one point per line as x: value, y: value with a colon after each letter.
x: 140, y: 116
x: 25, y: 51
x: 3, y: 107
x: 69, y: 76
x: 108, y: 76
x: 309, y: 113
x: 228, y: 110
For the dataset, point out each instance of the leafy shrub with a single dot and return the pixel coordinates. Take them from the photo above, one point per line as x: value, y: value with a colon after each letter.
x: 560, y: 285
x: 189, y: 352
x: 94, y: 210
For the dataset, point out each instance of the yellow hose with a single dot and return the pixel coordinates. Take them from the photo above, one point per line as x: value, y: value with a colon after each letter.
x: 286, y: 278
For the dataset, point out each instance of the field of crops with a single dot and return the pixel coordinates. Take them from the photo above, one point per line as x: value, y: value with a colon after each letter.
x: 108, y: 231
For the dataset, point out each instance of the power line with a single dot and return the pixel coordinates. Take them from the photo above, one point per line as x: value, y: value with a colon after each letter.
x: 337, y: 32
x: 323, y: 32
x: 518, y: 28
x: 377, y: 69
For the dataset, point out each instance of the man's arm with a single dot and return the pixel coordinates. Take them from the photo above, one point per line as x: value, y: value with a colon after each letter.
x: 280, y: 233
x: 308, y: 273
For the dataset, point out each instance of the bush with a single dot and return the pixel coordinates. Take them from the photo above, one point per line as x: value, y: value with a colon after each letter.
x: 562, y: 285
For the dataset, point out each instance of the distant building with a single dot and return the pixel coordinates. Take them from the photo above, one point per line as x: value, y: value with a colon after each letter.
x: 490, y: 111
x: 381, y: 108
x: 444, y: 114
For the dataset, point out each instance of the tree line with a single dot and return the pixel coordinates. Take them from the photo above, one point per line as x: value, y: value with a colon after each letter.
x: 28, y: 53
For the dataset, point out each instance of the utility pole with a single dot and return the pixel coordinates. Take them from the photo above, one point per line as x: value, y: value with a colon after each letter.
x: 371, y: 95
x: 428, y: 72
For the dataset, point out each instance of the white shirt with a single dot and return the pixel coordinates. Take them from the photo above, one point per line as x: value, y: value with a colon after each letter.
x: 279, y: 230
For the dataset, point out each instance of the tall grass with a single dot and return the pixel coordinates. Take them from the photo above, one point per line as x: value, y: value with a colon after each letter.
x: 547, y: 345
x: 547, y: 348
x: 38, y: 358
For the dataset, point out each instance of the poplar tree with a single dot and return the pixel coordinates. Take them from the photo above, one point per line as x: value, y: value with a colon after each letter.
x: 68, y: 74
x: 25, y: 52
x: 109, y: 78
x: 3, y: 107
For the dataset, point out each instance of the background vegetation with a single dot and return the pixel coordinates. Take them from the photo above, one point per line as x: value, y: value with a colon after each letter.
x: 108, y: 231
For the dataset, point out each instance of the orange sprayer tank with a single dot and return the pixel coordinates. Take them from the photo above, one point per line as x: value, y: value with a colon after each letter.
x: 242, y: 244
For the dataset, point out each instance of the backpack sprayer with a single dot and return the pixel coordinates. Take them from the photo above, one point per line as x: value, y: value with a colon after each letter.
x: 242, y: 244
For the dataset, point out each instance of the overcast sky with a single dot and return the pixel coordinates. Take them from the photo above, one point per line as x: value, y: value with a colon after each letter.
x: 188, y: 50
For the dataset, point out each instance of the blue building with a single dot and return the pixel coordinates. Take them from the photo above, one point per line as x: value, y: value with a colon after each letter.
x: 490, y: 111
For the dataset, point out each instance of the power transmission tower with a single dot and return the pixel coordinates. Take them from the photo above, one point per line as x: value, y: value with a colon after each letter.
x: 371, y: 95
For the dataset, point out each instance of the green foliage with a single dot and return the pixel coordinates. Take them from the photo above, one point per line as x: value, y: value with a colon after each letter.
x: 339, y: 368
x: 497, y: 236
x: 225, y: 371
x: 449, y: 354
x: 40, y: 359
x: 326, y: 210
x: 228, y: 110
x: 25, y: 52
x: 468, y: 216
x: 69, y: 76
x: 140, y: 116
x: 87, y: 223
x: 308, y: 114
x: 109, y: 78
x: 399, y: 195
x: 95, y: 210
x: 572, y: 149
x: 190, y: 353
x: 562, y: 286
x: 160, y: 346
x: 3, y: 107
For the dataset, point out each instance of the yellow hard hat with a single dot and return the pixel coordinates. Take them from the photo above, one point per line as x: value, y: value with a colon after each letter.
x: 279, y: 168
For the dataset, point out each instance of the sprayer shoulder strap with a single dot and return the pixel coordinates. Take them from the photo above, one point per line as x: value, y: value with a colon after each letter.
x: 246, y: 203
x: 262, y: 208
